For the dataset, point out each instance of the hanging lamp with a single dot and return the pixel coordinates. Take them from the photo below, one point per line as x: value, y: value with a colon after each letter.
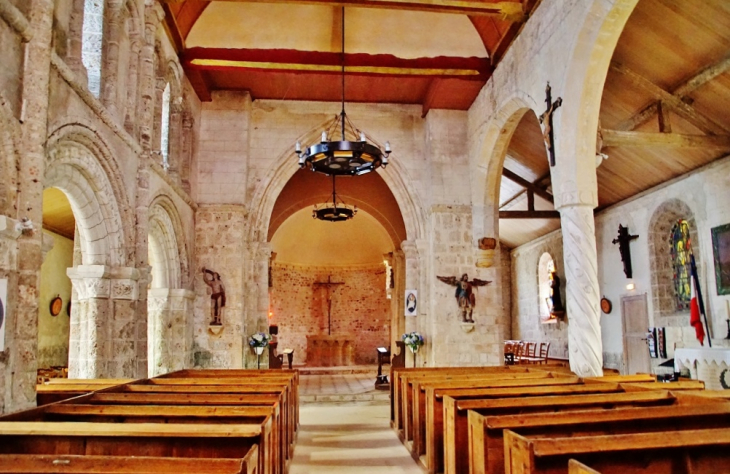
x: 335, y: 211
x: 353, y: 154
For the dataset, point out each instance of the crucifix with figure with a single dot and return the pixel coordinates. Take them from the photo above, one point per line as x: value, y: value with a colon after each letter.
x: 623, y: 240
x: 328, y: 286
x: 546, y: 119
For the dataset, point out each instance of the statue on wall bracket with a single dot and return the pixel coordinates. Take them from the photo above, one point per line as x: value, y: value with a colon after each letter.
x: 623, y: 240
x: 218, y: 295
x: 464, y: 294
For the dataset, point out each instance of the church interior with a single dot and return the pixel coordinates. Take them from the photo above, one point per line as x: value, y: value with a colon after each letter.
x: 327, y: 187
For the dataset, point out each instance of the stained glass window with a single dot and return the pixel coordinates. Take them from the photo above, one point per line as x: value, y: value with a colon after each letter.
x: 681, y: 246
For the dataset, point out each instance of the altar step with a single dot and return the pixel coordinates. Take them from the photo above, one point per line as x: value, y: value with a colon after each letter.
x: 352, y: 384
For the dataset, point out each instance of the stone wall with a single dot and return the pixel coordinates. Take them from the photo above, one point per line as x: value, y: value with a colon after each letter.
x: 359, y: 308
x: 527, y: 321
x: 219, y: 246
x: 53, y: 331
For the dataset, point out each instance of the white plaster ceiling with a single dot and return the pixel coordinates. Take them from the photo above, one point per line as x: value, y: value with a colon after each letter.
x: 302, y: 240
x: 405, y: 34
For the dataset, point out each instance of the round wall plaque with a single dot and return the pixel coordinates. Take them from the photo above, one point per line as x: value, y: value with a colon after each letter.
x: 56, y: 306
x: 606, y: 305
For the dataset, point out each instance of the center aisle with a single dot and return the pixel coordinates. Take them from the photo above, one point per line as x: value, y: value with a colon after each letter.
x: 355, y: 437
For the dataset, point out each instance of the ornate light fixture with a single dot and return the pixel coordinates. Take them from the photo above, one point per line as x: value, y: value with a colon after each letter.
x: 353, y: 154
x: 335, y: 211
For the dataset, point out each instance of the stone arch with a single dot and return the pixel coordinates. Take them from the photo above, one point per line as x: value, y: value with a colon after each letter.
x: 79, y: 164
x: 577, y: 121
x: 396, y: 177
x: 167, y: 235
x: 660, y: 225
x: 493, y: 150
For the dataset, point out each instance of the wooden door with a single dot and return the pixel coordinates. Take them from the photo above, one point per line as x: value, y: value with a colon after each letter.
x: 635, y: 316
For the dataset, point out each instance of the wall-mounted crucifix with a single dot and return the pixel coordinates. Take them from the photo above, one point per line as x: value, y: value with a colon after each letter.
x: 328, y: 285
x: 546, y: 119
x: 623, y: 240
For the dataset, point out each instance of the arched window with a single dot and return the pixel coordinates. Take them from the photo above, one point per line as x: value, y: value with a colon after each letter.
x: 545, y: 267
x: 91, y: 42
x: 681, y: 246
x: 165, y: 127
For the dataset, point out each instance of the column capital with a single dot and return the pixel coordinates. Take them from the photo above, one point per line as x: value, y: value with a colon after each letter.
x: 571, y: 194
x: 101, y: 281
x: 409, y: 248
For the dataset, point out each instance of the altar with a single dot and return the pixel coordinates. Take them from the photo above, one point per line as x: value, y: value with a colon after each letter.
x: 330, y: 351
x: 709, y: 365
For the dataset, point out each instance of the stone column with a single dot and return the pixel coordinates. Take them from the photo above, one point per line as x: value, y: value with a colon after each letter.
x: 412, y: 280
x: 130, y: 115
x: 169, y: 330
x: 187, y: 149
x: 9, y: 234
x: 114, y: 24
x: 75, y: 43
x: 104, y: 335
x: 152, y: 17
x: 582, y: 292
x: 160, y: 84
x: 258, y: 295
x: 175, y: 139
x: 22, y: 363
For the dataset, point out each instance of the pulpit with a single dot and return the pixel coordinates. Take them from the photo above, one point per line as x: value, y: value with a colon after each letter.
x: 330, y: 351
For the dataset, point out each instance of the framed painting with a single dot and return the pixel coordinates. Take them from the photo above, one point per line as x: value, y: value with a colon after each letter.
x: 721, y: 251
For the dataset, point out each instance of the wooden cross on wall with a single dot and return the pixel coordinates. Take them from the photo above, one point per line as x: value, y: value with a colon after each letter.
x: 546, y: 119
x: 623, y: 240
x: 328, y: 285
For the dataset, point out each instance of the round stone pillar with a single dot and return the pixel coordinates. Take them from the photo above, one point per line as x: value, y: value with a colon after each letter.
x: 582, y: 292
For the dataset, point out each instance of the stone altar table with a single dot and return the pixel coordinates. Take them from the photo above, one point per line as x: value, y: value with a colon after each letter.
x: 330, y: 351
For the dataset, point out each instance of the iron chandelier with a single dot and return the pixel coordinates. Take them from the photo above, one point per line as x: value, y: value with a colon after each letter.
x: 353, y: 155
x: 335, y: 211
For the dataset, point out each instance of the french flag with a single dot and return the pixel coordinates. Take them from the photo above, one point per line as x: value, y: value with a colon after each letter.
x: 696, y: 308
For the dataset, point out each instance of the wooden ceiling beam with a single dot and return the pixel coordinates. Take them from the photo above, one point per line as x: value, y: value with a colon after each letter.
x: 527, y: 184
x: 702, y: 77
x: 622, y: 138
x: 507, y: 11
x: 173, y: 30
x: 540, y: 182
x: 529, y: 215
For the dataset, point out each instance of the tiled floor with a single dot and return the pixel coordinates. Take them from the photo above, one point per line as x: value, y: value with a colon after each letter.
x: 352, y: 437
x: 345, y: 426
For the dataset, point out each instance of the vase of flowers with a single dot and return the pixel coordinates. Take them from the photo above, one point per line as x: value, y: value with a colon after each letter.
x: 413, y: 341
x: 258, y: 342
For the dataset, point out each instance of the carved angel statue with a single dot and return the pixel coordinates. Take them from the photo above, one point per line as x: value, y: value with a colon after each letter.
x: 464, y: 294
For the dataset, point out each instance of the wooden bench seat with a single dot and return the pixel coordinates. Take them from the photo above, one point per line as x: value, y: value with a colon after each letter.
x: 428, y: 420
x: 486, y: 444
x: 456, y: 435
x: 271, y: 445
x: 129, y: 439
x: 449, y: 423
x: 669, y: 452
x: 74, y: 464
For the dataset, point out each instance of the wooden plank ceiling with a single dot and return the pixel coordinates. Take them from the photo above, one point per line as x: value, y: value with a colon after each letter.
x: 444, y: 81
x: 665, y: 110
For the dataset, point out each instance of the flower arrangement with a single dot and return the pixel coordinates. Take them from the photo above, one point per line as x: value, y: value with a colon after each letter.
x: 413, y: 340
x: 260, y: 339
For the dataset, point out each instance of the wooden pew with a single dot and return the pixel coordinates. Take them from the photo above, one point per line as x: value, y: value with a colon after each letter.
x: 256, y: 385
x: 61, y: 389
x: 428, y: 432
x: 414, y: 404
x: 219, y: 376
x: 271, y: 447
x: 456, y: 445
x: 129, y: 439
x: 397, y: 374
x: 575, y: 467
x: 74, y: 464
x: 691, y: 452
x: 486, y: 444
